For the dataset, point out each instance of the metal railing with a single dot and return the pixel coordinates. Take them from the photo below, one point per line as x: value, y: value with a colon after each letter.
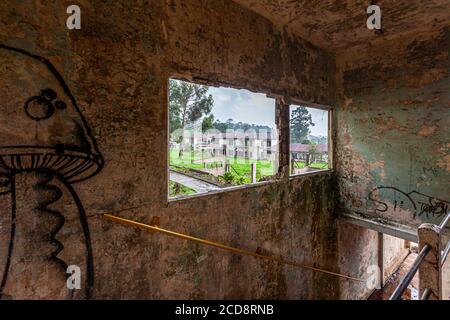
x: 155, y: 228
x: 426, y: 294
x: 429, y: 263
x: 445, y: 253
x: 398, y: 292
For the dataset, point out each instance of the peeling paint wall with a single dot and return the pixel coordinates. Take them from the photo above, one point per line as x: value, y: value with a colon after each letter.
x: 393, y: 137
x: 391, y: 152
x: 117, y: 67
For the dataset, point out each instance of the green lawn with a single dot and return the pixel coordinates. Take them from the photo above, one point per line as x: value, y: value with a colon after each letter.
x: 185, y: 161
x: 243, y: 168
x: 319, y: 165
x: 315, y: 165
x: 239, y: 166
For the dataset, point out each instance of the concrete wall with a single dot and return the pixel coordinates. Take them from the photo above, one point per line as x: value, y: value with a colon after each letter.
x: 446, y: 280
x: 113, y: 74
x: 392, y: 142
x: 394, y: 251
x: 391, y: 151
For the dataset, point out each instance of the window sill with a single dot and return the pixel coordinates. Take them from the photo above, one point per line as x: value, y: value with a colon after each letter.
x: 229, y: 189
x: 298, y: 175
x: 248, y: 186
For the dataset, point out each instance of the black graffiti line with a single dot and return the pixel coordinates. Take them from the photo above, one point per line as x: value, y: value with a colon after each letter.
x: 11, y: 237
x: 70, y: 174
x: 427, y: 196
x: 384, y: 203
x: 45, y: 163
x: 63, y: 162
x: 69, y: 161
x: 87, y: 237
x: 74, y: 166
x: 45, y: 178
x: 63, y: 84
x: 428, y: 209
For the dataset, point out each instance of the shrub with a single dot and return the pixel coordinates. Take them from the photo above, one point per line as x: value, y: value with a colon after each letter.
x: 227, y: 177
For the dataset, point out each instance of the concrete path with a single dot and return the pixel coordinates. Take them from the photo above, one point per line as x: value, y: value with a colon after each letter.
x: 195, y: 184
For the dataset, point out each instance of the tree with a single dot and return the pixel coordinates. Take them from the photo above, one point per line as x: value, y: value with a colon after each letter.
x: 188, y: 102
x: 322, y: 140
x: 312, y: 152
x: 207, y: 123
x: 174, y: 118
x: 221, y: 126
x: 301, y: 121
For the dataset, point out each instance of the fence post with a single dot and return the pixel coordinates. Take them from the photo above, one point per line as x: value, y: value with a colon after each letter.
x: 253, y: 172
x: 227, y: 166
x: 430, y: 272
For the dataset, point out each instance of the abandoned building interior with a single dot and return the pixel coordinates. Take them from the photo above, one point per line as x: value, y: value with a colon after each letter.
x: 104, y: 171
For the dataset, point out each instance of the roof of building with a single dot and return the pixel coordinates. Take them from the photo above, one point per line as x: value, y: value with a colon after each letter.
x: 230, y: 134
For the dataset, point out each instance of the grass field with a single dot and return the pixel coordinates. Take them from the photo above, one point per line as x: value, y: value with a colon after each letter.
x: 315, y: 165
x: 185, y: 161
x: 239, y: 166
x: 264, y: 168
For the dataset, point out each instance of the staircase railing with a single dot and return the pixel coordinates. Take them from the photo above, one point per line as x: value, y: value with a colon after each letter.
x: 429, y: 263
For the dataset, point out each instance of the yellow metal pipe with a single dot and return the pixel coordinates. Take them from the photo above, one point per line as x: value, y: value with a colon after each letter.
x: 220, y: 246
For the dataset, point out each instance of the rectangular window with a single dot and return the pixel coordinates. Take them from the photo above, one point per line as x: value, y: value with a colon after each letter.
x: 309, y: 139
x: 213, y: 137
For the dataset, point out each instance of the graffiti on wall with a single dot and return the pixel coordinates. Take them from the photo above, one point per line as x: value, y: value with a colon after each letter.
x: 46, y: 146
x: 421, y: 205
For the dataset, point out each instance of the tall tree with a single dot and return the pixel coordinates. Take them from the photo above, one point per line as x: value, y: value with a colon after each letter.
x: 188, y: 102
x: 301, y: 121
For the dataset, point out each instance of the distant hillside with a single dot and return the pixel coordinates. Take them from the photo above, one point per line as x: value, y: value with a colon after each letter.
x: 231, y: 125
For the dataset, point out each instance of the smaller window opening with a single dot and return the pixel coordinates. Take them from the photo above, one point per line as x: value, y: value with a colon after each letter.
x: 309, y: 139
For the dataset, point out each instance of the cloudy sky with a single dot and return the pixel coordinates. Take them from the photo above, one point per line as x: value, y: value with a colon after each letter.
x: 255, y: 108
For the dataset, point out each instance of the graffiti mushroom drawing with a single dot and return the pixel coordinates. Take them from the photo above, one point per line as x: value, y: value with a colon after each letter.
x: 46, y: 146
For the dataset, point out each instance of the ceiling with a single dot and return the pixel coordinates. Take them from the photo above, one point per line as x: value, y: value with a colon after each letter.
x: 337, y: 24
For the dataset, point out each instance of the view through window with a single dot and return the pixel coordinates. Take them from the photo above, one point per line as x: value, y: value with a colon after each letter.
x: 308, y: 139
x: 219, y: 137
